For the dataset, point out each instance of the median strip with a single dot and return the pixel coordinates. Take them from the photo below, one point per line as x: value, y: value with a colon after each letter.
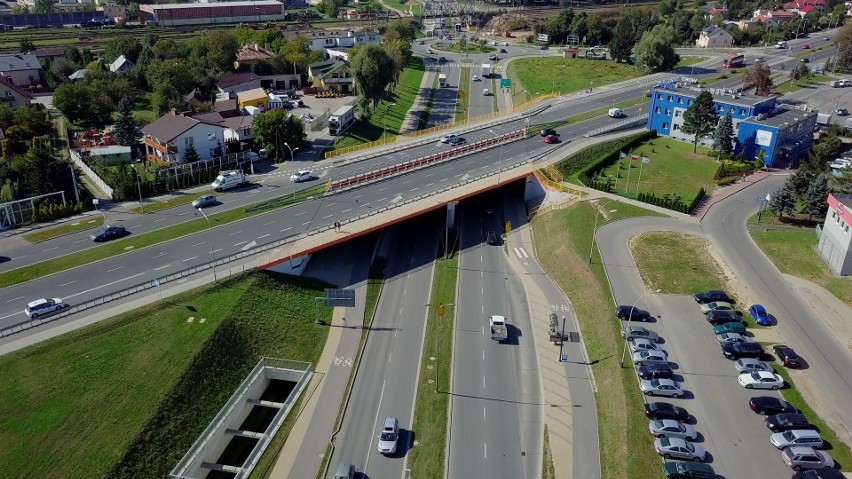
x: 82, y: 225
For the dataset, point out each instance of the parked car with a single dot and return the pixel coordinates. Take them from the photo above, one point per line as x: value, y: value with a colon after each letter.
x: 712, y: 296
x: 841, y: 112
x: 768, y: 405
x: 442, y: 60
x: 631, y: 313
x: 806, y: 47
x: 733, y: 338
x: 447, y: 138
x: 502, y: 50
x: 639, y: 344
x: 688, y: 470
x: 759, y: 314
x: 722, y: 317
x: 543, y: 47
x: 787, y: 421
x: 820, y: 474
x: 550, y: 139
x: 748, y: 365
x: 303, y: 175
x: 44, y: 307
x: 672, y: 428
x: 493, y: 57
x: 787, y: 356
x: 548, y: 132
x: 742, y: 350
x: 679, y: 448
x: 389, y: 435
x: 204, y: 201
x: 108, y: 232
x: 717, y: 306
x: 796, y: 437
x: 491, y: 238
x: 655, y: 371
x: 664, y: 410
x: 660, y: 387
x: 800, y: 457
x: 761, y: 380
x: 732, y: 327
x: 805, y: 60
x: 641, y: 358
x: 632, y: 332
x: 457, y: 140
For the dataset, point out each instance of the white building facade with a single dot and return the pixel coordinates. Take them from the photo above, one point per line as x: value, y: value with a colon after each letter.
x: 836, y: 238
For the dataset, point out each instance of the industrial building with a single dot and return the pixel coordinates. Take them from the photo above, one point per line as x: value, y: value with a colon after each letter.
x: 213, y: 13
x: 835, y: 240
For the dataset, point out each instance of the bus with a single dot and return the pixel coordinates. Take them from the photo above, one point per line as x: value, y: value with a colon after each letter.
x: 734, y: 61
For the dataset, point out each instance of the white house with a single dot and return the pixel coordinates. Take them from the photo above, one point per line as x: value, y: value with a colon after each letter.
x: 121, y: 65
x: 835, y: 241
x: 13, y: 95
x: 169, y: 137
x: 23, y: 68
x: 714, y: 37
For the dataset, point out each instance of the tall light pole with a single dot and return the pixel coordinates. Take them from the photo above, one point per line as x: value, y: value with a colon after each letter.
x: 293, y: 159
x: 629, y: 317
x: 138, y: 186
x: 210, y: 229
x: 595, y: 230
x: 384, y: 120
x: 500, y: 170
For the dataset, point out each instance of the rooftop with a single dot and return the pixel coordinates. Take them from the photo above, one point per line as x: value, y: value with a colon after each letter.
x: 249, y: 95
x: 171, y: 125
x: 235, y: 79
x: 844, y: 199
x: 172, y: 6
x: 19, y: 61
x: 722, y: 95
x: 109, y: 150
x: 781, y: 116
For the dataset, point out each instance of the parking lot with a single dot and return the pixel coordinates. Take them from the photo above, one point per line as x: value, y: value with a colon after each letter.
x: 736, y: 439
x: 823, y: 98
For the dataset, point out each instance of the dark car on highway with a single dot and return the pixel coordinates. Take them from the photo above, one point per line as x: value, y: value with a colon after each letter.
x: 491, y: 238
x: 108, y: 232
x: 664, y: 410
x: 769, y: 405
x: 721, y: 317
x: 787, y: 356
x: 655, y: 371
x: 712, y: 296
x: 548, y: 132
x: 456, y: 140
x: 786, y: 422
x: 631, y: 313
x: 742, y: 350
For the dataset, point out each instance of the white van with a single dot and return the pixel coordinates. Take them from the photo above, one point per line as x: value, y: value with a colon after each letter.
x: 486, y: 92
x: 615, y: 113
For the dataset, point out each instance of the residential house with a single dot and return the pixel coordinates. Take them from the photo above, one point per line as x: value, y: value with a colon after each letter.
x: 715, y: 13
x: 798, y: 6
x: 78, y: 75
x: 323, y: 40
x: 168, y: 138
x: 195, y: 98
x: 121, y: 65
x: 236, y: 82
x: 13, y: 95
x: 6, y: 6
x: 49, y: 53
x: 256, y: 98
x: 252, y: 54
x: 332, y: 75
x: 23, y: 68
x: 714, y: 37
x: 114, y: 11
x: 774, y: 16
x: 227, y: 108
x: 238, y: 133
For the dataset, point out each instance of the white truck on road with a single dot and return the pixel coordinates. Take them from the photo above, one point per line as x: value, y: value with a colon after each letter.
x: 499, y: 330
x: 229, y: 179
x: 442, y: 79
x: 340, y: 120
x: 486, y: 70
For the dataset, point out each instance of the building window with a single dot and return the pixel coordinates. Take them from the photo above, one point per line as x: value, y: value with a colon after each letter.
x: 742, y: 111
x: 676, y: 127
x: 833, y: 214
x: 657, y: 110
x: 665, y: 125
x: 731, y: 109
x: 668, y: 112
x: 677, y: 113
x: 670, y: 98
x: 680, y: 100
x: 188, y: 142
x: 659, y: 96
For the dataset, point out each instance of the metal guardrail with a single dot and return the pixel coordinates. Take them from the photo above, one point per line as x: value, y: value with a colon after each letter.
x: 628, y: 123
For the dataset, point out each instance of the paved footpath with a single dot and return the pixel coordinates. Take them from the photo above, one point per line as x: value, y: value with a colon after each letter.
x: 412, y: 117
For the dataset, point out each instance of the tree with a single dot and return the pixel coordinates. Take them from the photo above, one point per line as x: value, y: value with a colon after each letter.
x: 760, y: 76
x: 38, y: 172
x: 127, y: 46
x: 632, y: 23
x: 782, y: 202
x: 25, y: 45
x: 125, y: 125
x: 723, y: 138
x: 373, y: 70
x: 700, y: 118
x: 164, y: 98
x: 83, y: 103
x: 656, y: 49
x: 400, y: 29
x: 667, y: 7
x: 814, y: 201
x: 191, y: 155
x: 400, y: 52
x: 44, y: 6
x: 274, y: 128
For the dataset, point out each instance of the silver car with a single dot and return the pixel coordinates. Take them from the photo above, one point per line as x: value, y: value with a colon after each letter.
x: 671, y: 447
x: 733, y: 338
x: 672, y: 428
x: 749, y: 365
x: 641, y: 358
x: 800, y: 457
x: 389, y: 435
x: 639, y: 344
x: 638, y: 332
x: 660, y: 387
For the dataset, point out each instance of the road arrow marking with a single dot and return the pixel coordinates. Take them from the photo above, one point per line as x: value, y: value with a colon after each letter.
x: 323, y: 174
x: 396, y: 198
x: 250, y: 245
x: 465, y: 177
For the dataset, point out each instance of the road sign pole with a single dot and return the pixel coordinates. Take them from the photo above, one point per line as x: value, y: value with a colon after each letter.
x: 562, y: 339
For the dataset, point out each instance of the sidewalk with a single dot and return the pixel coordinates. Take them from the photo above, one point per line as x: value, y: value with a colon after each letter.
x: 411, y: 122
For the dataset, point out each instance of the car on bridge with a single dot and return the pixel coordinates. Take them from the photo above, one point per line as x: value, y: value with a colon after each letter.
x: 301, y: 176
x: 44, y: 307
x: 447, y: 138
x: 107, y: 233
x: 456, y: 141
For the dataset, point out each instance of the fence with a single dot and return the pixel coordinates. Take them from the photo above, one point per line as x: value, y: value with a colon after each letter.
x: 93, y: 177
x: 633, y: 121
x: 188, y: 175
x: 319, y: 122
x: 21, y: 211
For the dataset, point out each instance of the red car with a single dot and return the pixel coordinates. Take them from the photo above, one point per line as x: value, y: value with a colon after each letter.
x: 551, y: 139
x: 806, y: 47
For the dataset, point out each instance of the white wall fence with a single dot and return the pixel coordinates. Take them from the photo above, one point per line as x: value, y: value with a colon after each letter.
x: 93, y: 177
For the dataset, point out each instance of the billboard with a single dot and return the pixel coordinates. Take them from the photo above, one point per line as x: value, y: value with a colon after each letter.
x: 543, y: 37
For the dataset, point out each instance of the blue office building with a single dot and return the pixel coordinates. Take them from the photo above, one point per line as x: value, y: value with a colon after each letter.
x: 784, y: 134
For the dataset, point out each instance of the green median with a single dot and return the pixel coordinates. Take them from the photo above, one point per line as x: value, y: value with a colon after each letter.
x: 144, y: 240
x: 66, y: 229
x: 176, y: 201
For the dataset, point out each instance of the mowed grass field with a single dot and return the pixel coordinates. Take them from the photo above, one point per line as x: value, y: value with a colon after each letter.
x: 686, y: 267
x: 541, y: 76
x: 673, y: 169
x: 128, y: 396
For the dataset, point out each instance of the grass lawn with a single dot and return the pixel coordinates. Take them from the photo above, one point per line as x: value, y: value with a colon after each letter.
x: 603, y: 111
x: 562, y: 240
x: 142, y: 110
x: 792, y: 253
x: 150, y: 379
x: 464, y: 94
x: 135, y: 242
x: 548, y: 470
x: 84, y: 224
x: 808, y: 82
x: 390, y: 112
x: 456, y: 48
x: 689, y: 60
x: 430, y: 415
x: 686, y: 268
x: 541, y: 76
x: 175, y: 201
x: 673, y: 170
x: 410, y: 5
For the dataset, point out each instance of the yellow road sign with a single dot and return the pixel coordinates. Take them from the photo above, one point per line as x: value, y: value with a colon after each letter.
x: 508, y: 226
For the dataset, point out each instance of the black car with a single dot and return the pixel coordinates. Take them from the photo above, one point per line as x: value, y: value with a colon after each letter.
x: 824, y: 473
x: 442, y: 60
x: 655, y: 371
x: 712, y: 296
x: 688, y: 470
x: 456, y: 140
x: 786, y: 422
x: 768, y: 405
x: 548, y: 131
x: 742, y: 350
x: 108, y: 232
x: 664, y: 410
x: 721, y: 317
x: 491, y: 238
x: 787, y: 356
x: 502, y: 50
x: 634, y: 314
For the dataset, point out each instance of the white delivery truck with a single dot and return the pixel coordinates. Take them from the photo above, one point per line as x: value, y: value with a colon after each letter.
x: 823, y: 119
x: 340, y: 120
x: 442, y: 79
x: 486, y: 70
x: 499, y: 331
x: 228, y: 180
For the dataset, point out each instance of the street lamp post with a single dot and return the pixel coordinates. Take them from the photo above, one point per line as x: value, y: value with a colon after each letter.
x: 292, y: 158
x: 384, y: 120
x: 629, y: 317
x: 500, y: 162
x: 595, y: 230
x: 139, y: 187
x: 210, y: 229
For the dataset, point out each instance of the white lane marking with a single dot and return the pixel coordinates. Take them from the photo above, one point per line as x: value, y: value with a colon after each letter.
x: 346, y: 211
x: 483, y: 382
x: 404, y: 291
x: 356, y: 197
x: 51, y: 249
x: 287, y: 228
x: 241, y: 242
x: 217, y: 250
x: 114, y: 269
x: 382, y: 199
x: 23, y: 256
x: 267, y: 224
x: 485, y: 450
x: 234, y: 233
x: 199, y: 244
x: 375, y: 424
x: 306, y: 224
x: 484, y: 416
x: 264, y: 236
x: 14, y: 299
x: 135, y: 226
x: 303, y: 212
x: 366, y: 205
x: 483, y: 355
x: 103, y: 286
x: 483, y: 309
x: 13, y: 314
x: 80, y: 241
x: 430, y: 184
x: 189, y: 259
x: 162, y: 267
x: 182, y: 214
x: 383, y: 189
x: 160, y: 219
x: 66, y: 284
x: 414, y: 189
x: 483, y: 290
x: 327, y: 216
x: 162, y: 253
x: 523, y: 252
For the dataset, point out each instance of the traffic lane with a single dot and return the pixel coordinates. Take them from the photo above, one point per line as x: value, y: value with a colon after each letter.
x: 735, y: 437
x: 444, y: 98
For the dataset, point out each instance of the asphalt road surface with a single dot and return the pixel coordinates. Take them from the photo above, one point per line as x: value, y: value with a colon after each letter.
x: 444, y: 99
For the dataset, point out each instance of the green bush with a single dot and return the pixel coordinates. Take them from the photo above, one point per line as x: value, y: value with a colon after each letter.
x: 733, y: 168
x: 598, y: 156
x: 729, y: 180
x: 50, y: 211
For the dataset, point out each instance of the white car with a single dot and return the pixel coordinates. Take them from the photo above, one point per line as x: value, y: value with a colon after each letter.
x: 748, y: 365
x: 44, y: 307
x: 660, y: 387
x: 475, y: 78
x: 301, y: 176
x: 641, y: 344
x: 733, y: 338
x: 388, y: 436
x: 448, y: 138
x: 641, y: 358
x: 760, y: 380
x: 672, y: 428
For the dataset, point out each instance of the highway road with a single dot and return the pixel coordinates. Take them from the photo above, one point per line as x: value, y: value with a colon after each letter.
x: 444, y: 99
x: 386, y: 382
x: 494, y: 432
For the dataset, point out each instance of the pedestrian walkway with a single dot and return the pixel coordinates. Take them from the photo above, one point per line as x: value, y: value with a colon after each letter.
x: 411, y: 122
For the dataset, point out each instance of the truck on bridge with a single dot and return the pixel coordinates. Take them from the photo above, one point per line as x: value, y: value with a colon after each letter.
x: 499, y: 331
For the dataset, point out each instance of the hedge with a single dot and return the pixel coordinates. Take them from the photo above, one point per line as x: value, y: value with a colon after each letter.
x: 600, y: 155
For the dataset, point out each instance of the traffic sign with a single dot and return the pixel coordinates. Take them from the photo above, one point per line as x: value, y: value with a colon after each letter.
x: 505, y: 83
x: 508, y: 226
x: 564, y: 358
